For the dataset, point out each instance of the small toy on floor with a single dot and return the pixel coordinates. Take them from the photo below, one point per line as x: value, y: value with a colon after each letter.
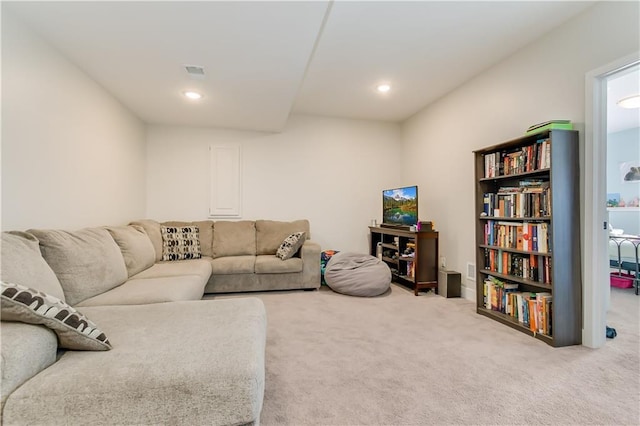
x: 611, y: 332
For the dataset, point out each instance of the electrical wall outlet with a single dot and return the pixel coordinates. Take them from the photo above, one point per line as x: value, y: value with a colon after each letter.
x: 443, y: 262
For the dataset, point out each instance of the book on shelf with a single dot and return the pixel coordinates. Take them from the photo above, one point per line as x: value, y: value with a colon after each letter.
x: 519, y: 236
x: 411, y: 269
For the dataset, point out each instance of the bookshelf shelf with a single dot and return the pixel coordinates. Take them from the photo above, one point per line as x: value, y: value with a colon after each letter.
x: 517, y: 219
x: 419, y: 271
x: 536, y: 209
x: 512, y: 250
x: 513, y: 323
x: 517, y: 175
x: 520, y: 280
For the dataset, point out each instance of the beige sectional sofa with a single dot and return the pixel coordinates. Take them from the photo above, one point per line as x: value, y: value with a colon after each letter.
x: 242, y: 254
x: 175, y: 359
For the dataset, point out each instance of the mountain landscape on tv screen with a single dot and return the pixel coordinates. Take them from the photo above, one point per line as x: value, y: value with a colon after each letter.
x: 400, y: 206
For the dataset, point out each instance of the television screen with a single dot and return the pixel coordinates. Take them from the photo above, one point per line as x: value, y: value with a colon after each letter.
x: 400, y: 206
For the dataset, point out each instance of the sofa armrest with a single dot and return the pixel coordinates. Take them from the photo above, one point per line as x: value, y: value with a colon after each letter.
x: 310, y: 255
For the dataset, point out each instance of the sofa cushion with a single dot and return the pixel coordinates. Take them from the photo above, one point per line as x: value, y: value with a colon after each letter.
x: 206, y: 236
x: 270, y: 264
x: 233, y: 265
x: 151, y: 290
x: 152, y: 228
x: 87, y: 262
x: 27, y: 349
x: 74, y: 330
x: 136, y: 247
x: 23, y: 263
x: 290, y: 246
x: 207, y: 368
x: 180, y: 242
x: 200, y: 267
x: 234, y: 238
x: 271, y: 233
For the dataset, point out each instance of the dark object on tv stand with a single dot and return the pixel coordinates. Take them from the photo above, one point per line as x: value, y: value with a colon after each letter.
x: 396, y: 226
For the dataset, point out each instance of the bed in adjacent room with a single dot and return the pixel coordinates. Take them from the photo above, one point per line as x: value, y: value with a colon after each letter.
x: 623, y: 260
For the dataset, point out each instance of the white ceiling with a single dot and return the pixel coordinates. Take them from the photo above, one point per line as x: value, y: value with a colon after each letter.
x: 620, y: 86
x: 266, y: 59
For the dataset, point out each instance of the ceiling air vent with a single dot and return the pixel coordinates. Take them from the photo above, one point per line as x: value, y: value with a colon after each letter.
x: 195, y: 71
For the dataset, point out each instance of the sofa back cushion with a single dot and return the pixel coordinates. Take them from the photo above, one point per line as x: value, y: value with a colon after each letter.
x: 206, y: 236
x: 22, y: 263
x: 152, y: 228
x: 27, y: 349
x: 87, y: 262
x: 231, y: 238
x: 136, y: 247
x: 205, y: 229
x: 270, y: 233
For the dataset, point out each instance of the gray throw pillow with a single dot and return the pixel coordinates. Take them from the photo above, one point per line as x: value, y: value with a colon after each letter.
x: 290, y: 245
x: 74, y: 330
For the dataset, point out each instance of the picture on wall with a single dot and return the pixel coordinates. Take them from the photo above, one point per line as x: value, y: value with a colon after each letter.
x: 630, y: 172
x: 613, y: 199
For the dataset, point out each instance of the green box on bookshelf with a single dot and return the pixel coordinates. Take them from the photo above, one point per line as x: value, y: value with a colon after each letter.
x: 549, y: 125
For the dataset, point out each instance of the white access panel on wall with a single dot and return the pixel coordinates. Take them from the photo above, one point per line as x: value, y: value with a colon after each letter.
x: 226, y: 181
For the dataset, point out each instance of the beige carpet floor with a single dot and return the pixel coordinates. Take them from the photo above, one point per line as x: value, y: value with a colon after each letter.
x: 398, y: 359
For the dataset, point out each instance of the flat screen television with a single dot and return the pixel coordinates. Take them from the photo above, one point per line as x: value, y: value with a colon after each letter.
x: 400, y: 206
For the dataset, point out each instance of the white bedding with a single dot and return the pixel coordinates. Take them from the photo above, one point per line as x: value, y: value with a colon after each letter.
x: 627, y: 250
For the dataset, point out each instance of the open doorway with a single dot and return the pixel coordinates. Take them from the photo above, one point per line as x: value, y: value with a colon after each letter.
x: 623, y: 197
x: 594, y: 215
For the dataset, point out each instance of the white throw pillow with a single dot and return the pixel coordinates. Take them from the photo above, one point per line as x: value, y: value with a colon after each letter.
x: 290, y: 245
x: 74, y: 330
x: 180, y: 242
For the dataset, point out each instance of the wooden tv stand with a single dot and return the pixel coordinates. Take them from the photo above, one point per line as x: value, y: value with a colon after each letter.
x: 419, y: 271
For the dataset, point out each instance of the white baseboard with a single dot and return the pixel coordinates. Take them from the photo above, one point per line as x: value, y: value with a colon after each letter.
x: 468, y: 293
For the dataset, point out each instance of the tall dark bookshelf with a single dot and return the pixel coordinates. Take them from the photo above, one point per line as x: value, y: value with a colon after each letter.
x: 501, y: 218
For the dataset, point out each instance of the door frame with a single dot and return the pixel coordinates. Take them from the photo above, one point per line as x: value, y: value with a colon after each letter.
x: 595, y: 266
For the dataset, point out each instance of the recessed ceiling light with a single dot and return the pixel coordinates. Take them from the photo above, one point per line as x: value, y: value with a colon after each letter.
x: 193, y: 95
x: 630, y: 102
x: 383, y: 88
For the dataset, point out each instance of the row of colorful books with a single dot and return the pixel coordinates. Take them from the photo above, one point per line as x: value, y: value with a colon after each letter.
x: 532, y: 310
x: 526, y: 236
x: 521, y: 160
x: 521, y: 202
x: 528, y: 266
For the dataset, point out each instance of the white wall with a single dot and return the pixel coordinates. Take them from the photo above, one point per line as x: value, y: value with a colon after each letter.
x: 545, y: 80
x: 72, y: 156
x: 330, y: 171
x: 623, y: 147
